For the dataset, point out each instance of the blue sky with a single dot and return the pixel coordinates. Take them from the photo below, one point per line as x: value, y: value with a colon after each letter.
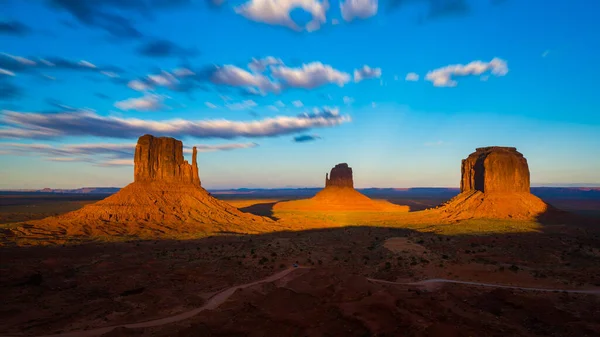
x: 277, y: 92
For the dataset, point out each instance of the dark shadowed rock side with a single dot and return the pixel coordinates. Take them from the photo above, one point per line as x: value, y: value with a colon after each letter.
x: 161, y: 159
x: 495, y: 184
x: 165, y: 200
x: 340, y: 176
x: 495, y: 169
x: 339, y: 195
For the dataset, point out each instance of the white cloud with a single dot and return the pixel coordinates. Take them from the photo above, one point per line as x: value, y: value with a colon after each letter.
x: 277, y: 12
x: 220, y: 147
x: 109, y: 74
x: 6, y: 72
x: 238, y: 77
x: 48, y: 63
x: 442, y: 77
x: 412, y: 77
x: 241, y: 105
x: 20, y: 59
x: 183, y: 72
x: 144, y: 103
x: 260, y: 65
x: 210, y: 105
x: 279, y: 104
x: 309, y: 76
x: 87, y: 64
x: 298, y: 104
x: 365, y: 73
x: 164, y: 79
x: 273, y: 108
x: 103, y: 154
x: 361, y: 9
x: 139, y: 85
x: 348, y: 100
x: 86, y: 123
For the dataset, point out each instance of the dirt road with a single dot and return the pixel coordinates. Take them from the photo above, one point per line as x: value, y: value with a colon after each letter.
x: 214, y: 302
x: 489, y: 285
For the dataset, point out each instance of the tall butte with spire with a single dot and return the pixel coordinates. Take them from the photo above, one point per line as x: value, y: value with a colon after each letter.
x: 339, y: 195
x: 495, y: 183
x: 165, y: 200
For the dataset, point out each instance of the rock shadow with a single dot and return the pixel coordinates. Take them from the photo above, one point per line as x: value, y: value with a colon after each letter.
x: 262, y: 209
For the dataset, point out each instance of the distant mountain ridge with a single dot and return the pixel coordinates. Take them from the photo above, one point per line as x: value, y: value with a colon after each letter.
x: 310, y: 191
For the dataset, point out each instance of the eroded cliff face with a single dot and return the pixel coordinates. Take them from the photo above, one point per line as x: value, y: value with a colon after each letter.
x: 495, y: 170
x: 160, y: 159
x: 340, y: 176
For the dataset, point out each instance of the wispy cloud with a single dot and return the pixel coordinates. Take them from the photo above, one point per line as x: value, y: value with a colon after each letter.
x: 147, y: 102
x: 442, y: 77
x: 310, y: 76
x: 19, y: 64
x: 29, y: 125
x: 101, y: 154
x: 241, y: 105
x: 412, y: 77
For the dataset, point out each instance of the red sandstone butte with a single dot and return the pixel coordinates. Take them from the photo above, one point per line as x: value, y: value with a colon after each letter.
x: 495, y: 169
x: 340, y: 176
x: 161, y: 159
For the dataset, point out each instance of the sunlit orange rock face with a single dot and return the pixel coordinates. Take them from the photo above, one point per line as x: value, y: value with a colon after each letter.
x: 339, y: 195
x: 340, y: 176
x: 165, y: 200
x: 495, y: 170
x: 161, y: 159
x: 495, y: 185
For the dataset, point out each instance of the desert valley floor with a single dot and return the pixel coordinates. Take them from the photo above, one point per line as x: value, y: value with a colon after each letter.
x: 339, y: 287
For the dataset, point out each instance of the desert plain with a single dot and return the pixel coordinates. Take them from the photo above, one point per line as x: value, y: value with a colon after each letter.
x: 164, y: 257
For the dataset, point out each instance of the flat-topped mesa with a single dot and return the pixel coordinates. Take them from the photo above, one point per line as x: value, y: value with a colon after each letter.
x: 495, y: 169
x: 161, y: 159
x: 340, y: 176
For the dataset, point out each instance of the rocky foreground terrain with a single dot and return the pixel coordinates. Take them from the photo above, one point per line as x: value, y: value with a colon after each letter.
x: 57, y: 289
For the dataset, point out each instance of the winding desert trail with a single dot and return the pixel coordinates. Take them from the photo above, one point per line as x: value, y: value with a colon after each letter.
x: 211, y: 304
x: 219, y: 298
x: 489, y: 285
